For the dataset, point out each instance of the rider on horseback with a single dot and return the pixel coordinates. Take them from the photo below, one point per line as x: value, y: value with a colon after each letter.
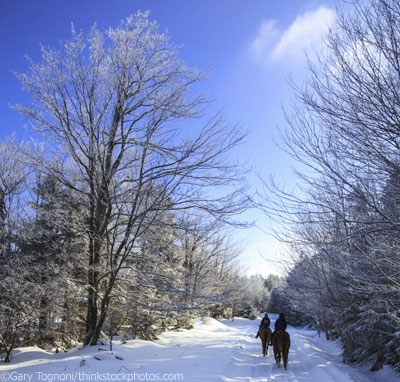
x: 265, y: 323
x: 280, y: 324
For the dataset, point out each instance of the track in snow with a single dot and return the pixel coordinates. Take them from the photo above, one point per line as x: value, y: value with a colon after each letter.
x: 214, y: 351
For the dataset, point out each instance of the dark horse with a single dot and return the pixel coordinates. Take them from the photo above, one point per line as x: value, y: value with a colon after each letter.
x: 265, y: 337
x: 281, y: 344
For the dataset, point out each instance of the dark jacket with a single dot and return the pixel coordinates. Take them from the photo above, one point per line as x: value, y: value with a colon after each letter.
x: 280, y: 324
x: 265, y: 322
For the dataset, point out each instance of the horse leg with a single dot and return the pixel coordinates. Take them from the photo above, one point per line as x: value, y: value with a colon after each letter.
x: 262, y: 339
x: 268, y: 339
x: 276, y: 355
x: 285, y: 357
x: 263, y: 346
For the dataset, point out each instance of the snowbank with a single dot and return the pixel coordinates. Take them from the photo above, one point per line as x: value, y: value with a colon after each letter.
x: 212, y: 351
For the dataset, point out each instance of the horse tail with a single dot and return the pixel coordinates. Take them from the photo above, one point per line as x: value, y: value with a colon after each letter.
x: 265, y: 336
x: 285, y: 348
x: 281, y: 344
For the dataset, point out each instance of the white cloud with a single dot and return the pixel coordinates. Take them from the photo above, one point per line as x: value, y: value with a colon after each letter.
x: 267, y: 33
x: 273, y: 43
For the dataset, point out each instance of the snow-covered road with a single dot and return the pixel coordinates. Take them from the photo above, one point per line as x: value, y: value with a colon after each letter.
x: 213, y: 351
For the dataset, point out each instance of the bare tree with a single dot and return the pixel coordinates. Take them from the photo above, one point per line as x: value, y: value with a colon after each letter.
x: 344, y: 134
x: 12, y: 183
x: 115, y: 107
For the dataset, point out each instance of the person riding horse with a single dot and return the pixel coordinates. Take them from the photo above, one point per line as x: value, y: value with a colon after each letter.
x: 265, y: 323
x: 280, y: 324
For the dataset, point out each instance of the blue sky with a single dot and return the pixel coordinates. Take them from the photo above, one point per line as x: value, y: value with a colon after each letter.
x: 250, y: 49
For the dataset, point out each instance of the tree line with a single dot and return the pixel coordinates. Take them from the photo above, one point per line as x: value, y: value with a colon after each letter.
x: 114, y: 219
x: 343, y: 221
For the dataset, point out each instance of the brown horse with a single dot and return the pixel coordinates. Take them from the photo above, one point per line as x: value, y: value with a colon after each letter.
x: 265, y: 337
x: 281, y: 344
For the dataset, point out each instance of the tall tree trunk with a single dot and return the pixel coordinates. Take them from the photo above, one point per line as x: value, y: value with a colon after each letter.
x: 44, y: 312
x: 103, y: 311
x: 93, y: 277
x: 3, y: 215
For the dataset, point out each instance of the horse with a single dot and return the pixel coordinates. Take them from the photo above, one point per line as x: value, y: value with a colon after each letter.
x: 265, y: 337
x: 281, y: 344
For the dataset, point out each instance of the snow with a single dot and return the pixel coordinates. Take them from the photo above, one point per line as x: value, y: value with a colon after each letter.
x: 224, y: 351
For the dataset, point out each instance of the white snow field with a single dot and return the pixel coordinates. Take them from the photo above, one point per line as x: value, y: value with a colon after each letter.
x: 213, y: 351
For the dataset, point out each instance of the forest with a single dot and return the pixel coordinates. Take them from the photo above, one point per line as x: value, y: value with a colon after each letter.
x: 111, y: 221
x: 342, y: 223
x: 116, y: 217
